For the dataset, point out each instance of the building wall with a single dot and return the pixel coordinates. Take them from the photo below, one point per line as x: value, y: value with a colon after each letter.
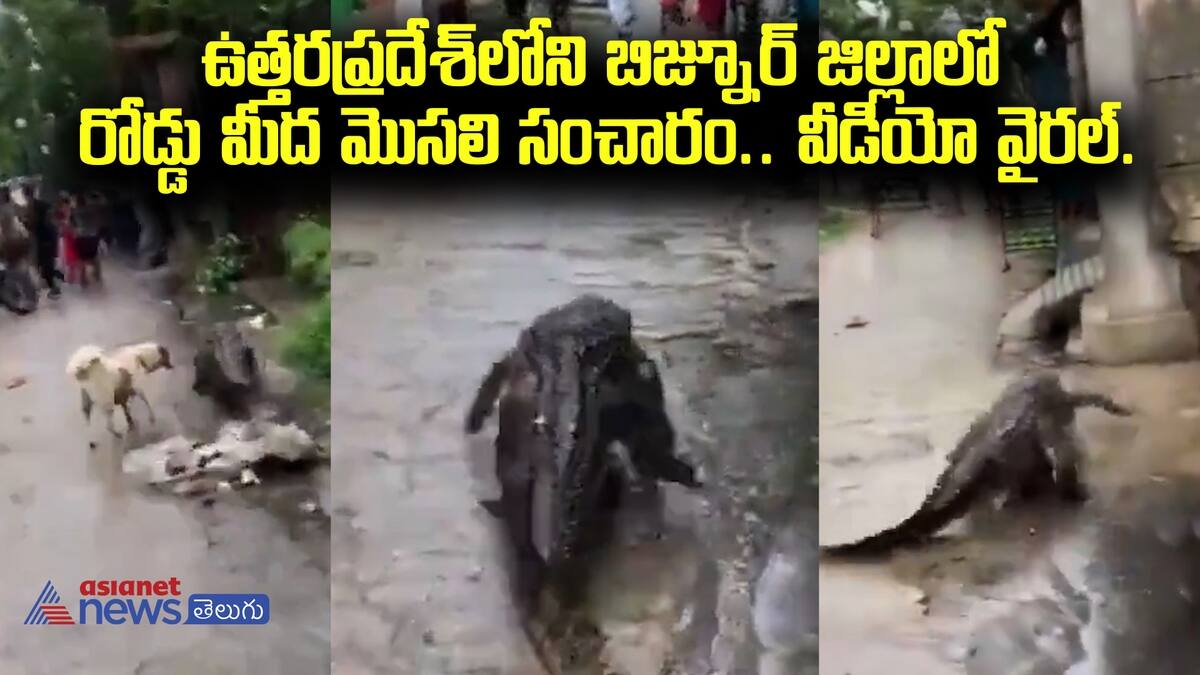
x: 1171, y: 59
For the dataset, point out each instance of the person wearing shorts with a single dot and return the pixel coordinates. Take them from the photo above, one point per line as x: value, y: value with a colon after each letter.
x: 86, y: 224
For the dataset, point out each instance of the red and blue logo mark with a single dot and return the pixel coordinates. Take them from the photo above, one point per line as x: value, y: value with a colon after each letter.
x: 49, y: 610
x: 147, y: 602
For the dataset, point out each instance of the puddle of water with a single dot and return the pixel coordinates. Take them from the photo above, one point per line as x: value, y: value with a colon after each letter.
x: 1116, y: 595
x: 1144, y: 581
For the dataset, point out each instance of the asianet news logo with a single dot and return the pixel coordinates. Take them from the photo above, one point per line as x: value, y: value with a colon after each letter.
x: 116, y: 602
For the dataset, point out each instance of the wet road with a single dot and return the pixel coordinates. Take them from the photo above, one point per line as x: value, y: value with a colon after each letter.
x: 68, y: 515
x: 1108, y: 589
x: 433, y: 288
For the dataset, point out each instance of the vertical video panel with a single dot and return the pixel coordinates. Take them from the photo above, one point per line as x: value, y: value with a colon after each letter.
x: 574, y: 430
x: 1007, y: 461
x: 164, y: 369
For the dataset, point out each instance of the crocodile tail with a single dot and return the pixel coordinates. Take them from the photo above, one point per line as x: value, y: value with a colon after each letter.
x: 485, y: 398
x: 1100, y: 401
x: 926, y: 522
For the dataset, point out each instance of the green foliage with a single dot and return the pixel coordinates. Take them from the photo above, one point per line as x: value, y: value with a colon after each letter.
x: 223, y: 267
x: 306, y: 338
x: 306, y: 341
x: 833, y: 225
x: 343, y: 10
x: 215, y: 15
x: 307, y: 244
x: 54, y: 54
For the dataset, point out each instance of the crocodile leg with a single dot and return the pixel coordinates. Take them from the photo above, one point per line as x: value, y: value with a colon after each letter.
x: 1063, y: 452
x: 488, y: 393
x: 623, y: 462
x: 1100, y: 401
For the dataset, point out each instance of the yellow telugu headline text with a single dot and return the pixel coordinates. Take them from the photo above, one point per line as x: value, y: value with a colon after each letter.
x: 367, y: 65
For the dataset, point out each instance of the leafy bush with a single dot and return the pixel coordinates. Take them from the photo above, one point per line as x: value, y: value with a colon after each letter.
x: 54, y: 54
x: 307, y: 244
x: 306, y: 341
x: 223, y: 267
x: 832, y: 225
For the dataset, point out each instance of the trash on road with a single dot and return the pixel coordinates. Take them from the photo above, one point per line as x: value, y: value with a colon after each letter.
x: 192, y: 467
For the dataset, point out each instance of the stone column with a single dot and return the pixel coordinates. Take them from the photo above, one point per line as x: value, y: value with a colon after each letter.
x: 1137, y: 314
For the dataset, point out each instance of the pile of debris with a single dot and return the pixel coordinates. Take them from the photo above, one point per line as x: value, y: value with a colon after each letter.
x: 241, y: 448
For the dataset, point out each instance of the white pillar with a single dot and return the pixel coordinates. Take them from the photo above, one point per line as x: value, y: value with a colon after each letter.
x: 1137, y: 315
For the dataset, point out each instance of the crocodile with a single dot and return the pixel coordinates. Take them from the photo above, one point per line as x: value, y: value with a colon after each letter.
x: 227, y: 371
x: 581, y: 419
x: 1021, y: 447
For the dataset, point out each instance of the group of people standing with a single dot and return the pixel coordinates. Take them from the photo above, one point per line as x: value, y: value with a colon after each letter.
x: 67, y: 232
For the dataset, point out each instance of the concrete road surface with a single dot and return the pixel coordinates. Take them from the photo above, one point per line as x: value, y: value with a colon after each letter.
x: 68, y: 515
x: 432, y: 287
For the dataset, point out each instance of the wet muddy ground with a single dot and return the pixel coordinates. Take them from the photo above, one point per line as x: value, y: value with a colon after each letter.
x: 1106, y: 589
x: 69, y: 515
x: 430, y: 289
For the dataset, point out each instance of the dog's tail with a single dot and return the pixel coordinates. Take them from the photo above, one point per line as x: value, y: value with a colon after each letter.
x: 485, y: 398
x: 82, y: 358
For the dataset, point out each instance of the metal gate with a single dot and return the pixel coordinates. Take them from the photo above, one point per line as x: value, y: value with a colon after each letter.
x: 1028, y: 221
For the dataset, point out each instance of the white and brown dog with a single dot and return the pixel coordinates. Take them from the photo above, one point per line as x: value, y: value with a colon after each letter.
x: 106, y: 379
